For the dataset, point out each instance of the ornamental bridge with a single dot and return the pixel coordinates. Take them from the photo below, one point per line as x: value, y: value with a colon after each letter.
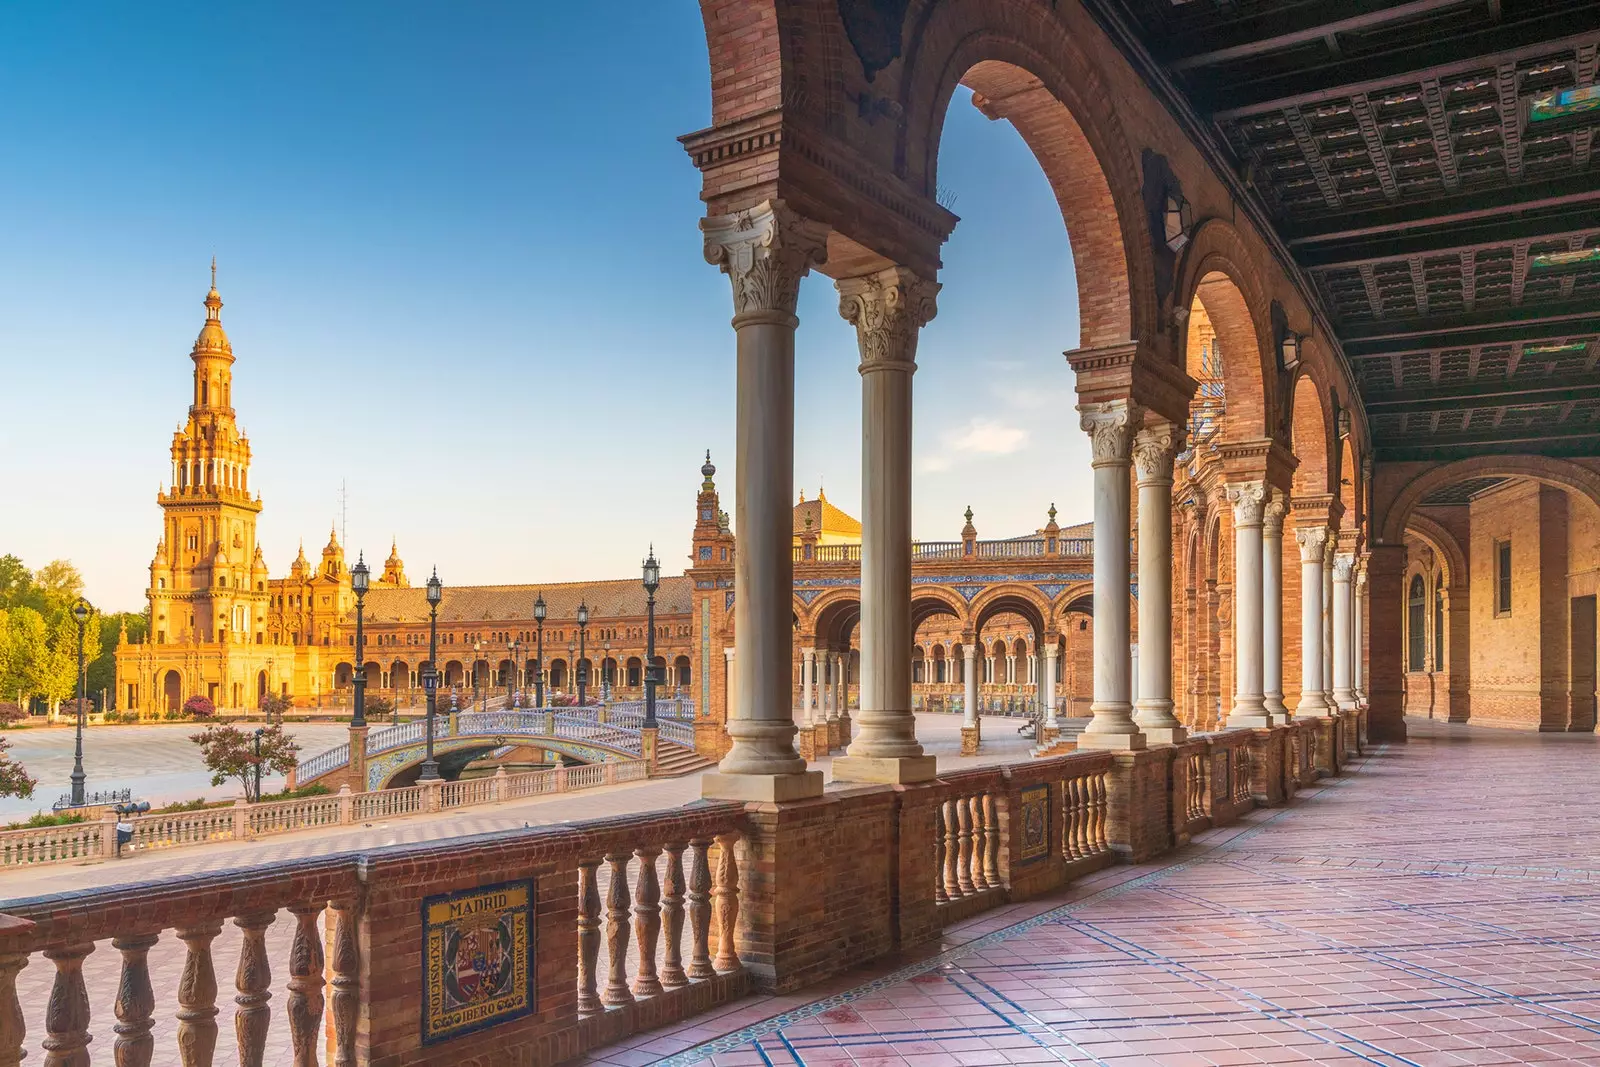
x: 392, y: 755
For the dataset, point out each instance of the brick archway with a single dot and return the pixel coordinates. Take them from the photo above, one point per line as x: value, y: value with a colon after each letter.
x: 1580, y: 479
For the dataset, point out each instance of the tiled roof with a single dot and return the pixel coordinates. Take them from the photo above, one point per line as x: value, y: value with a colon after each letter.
x: 618, y: 598
x: 825, y: 519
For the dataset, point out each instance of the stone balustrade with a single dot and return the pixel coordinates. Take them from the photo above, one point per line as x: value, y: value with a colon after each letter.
x: 96, y: 838
x: 635, y: 921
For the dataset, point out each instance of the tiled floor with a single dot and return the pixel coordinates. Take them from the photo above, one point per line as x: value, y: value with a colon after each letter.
x: 1440, y: 906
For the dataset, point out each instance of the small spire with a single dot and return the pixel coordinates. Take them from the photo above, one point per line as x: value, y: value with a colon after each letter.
x: 213, y: 270
x: 822, y: 494
x: 802, y: 496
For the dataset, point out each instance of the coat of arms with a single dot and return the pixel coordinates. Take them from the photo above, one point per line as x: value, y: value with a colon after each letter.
x: 477, y: 959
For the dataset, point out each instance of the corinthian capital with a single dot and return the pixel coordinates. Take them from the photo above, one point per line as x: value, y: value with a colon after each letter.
x: 1343, y: 565
x: 1249, y: 501
x: 1153, y: 450
x: 1110, y: 426
x: 1272, y: 515
x: 1312, y: 541
x: 887, y: 309
x: 764, y: 251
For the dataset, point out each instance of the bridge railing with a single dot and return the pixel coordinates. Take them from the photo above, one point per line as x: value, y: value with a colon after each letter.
x: 407, y: 733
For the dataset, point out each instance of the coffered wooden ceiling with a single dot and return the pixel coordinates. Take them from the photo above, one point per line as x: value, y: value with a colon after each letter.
x: 1420, y: 164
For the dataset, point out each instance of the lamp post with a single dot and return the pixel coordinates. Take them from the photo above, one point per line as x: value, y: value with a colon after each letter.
x: 80, y: 614
x: 652, y: 582
x: 257, y: 796
x: 538, y: 678
x: 358, y: 584
x: 480, y: 694
x: 605, y: 678
x: 430, y: 680
x: 513, y: 649
x: 583, y: 630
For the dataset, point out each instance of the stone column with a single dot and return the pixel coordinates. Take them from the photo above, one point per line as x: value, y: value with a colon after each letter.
x: 808, y: 670
x: 1272, y: 605
x: 765, y: 251
x: 1111, y: 427
x: 888, y: 309
x: 1011, y: 667
x: 1249, y: 504
x: 1052, y: 652
x: 1343, y: 568
x: 1312, y: 541
x: 1153, y: 450
x: 969, y: 695
x: 1358, y: 639
x: 1328, y: 551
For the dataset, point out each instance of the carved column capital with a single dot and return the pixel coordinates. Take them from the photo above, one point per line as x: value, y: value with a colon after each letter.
x: 1312, y: 541
x: 1249, y: 501
x: 1330, y: 549
x: 887, y: 308
x: 1344, y: 565
x: 1110, y: 426
x: 765, y: 251
x: 1153, y: 450
x: 1272, y: 514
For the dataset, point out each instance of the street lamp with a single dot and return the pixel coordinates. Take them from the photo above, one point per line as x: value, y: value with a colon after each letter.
x: 257, y: 797
x: 358, y: 584
x: 605, y: 677
x: 652, y: 582
x: 514, y: 649
x: 430, y: 680
x: 583, y: 629
x: 538, y: 678
x: 80, y: 614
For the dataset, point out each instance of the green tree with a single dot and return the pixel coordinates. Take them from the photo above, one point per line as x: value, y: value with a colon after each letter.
x: 28, y: 658
x: 63, y: 674
x: 229, y: 752
x: 103, y: 668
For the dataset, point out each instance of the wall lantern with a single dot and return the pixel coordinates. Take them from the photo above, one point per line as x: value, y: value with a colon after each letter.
x: 1289, y: 351
x: 1177, y: 221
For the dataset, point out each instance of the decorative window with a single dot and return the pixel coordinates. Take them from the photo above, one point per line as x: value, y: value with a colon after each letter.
x: 1502, y: 578
x: 1416, y: 622
x: 705, y: 553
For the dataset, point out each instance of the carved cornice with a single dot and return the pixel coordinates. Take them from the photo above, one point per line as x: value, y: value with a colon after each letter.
x: 765, y: 251
x: 887, y: 309
x: 1110, y: 426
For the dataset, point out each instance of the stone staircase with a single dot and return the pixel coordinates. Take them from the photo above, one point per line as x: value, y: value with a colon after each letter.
x: 675, y: 761
x: 1065, y: 742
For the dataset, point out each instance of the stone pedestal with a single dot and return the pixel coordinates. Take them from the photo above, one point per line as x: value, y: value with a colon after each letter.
x: 970, y: 738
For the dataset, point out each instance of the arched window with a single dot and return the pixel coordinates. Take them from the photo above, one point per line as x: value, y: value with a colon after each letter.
x: 1438, y: 622
x: 1416, y: 620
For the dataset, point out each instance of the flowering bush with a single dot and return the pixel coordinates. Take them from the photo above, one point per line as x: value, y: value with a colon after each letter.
x: 10, y: 713
x: 199, y: 707
x: 273, y: 706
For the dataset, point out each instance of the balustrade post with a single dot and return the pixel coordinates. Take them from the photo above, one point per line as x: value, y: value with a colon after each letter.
x: 254, y: 983
x: 1069, y: 824
x: 700, y: 911
x: 66, y: 1016
x: 647, y: 922
x: 964, y: 845
x: 136, y: 1003
x: 991, y: 842
x: 616, y: 992
x: 939, y: 853
x: 306, y: 981
x: 13, y: 1027
x: 727, y: 892
x: 952, y: 849
x: 346, y: 981
x: 672, y: 887
x: 979, y: 882
x: 197, y: 996
x: 588, y: 937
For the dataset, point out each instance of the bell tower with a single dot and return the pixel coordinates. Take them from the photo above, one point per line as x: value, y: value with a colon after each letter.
x: 712, y: 543
x: 205, y: 584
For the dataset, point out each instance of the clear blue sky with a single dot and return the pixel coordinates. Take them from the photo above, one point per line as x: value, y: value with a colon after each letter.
x: 457, y: 245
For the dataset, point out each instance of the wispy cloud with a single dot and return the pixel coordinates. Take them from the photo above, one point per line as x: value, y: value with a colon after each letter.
x: 979, y: 437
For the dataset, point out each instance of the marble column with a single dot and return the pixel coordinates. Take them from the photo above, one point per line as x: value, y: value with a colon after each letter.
x: 808, y: 671
x: 1153, y: 450
x: 1111, y: 426
x: 1052, y: 721
x: 1249, y: 505
x: 1011, y: 668
x: 731, y: 689
x: 1272, y: 605
x: 888, y: 309
x: 1328, y: 551
x: 969, y: 696
x: 1312, y: 540
x: 844, y: 683
x: 1358, y: 624
x: 830, y: 686
x: 765, y: 252
x: 1343, y: 570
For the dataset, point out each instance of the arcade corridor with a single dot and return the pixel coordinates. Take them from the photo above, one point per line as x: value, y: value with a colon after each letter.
x: 1436, y: 906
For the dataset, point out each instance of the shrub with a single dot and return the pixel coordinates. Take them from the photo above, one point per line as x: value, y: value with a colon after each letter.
x: 377, y: 705
x: 69, y: 708
x: 11, y: 713
x: 273, y: 706
x: 199, y: 707
x: 40, y: 819
x: 111, y: 717
x: 297, y: 794
x: 177, y: 806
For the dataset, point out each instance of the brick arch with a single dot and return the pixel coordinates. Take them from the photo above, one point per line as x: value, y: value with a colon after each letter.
x: 1585, y: 481
x: 928, y: 601
x: 1023, y: 600
x: 1219, y: 272
x: 1312, y: 436
x: 832, y: 615
x: 1065, y: 600
x: 1445, y: 547
x: 1035, y: 74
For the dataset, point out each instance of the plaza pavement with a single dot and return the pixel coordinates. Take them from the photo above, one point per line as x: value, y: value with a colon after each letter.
x: 1436, y: 906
